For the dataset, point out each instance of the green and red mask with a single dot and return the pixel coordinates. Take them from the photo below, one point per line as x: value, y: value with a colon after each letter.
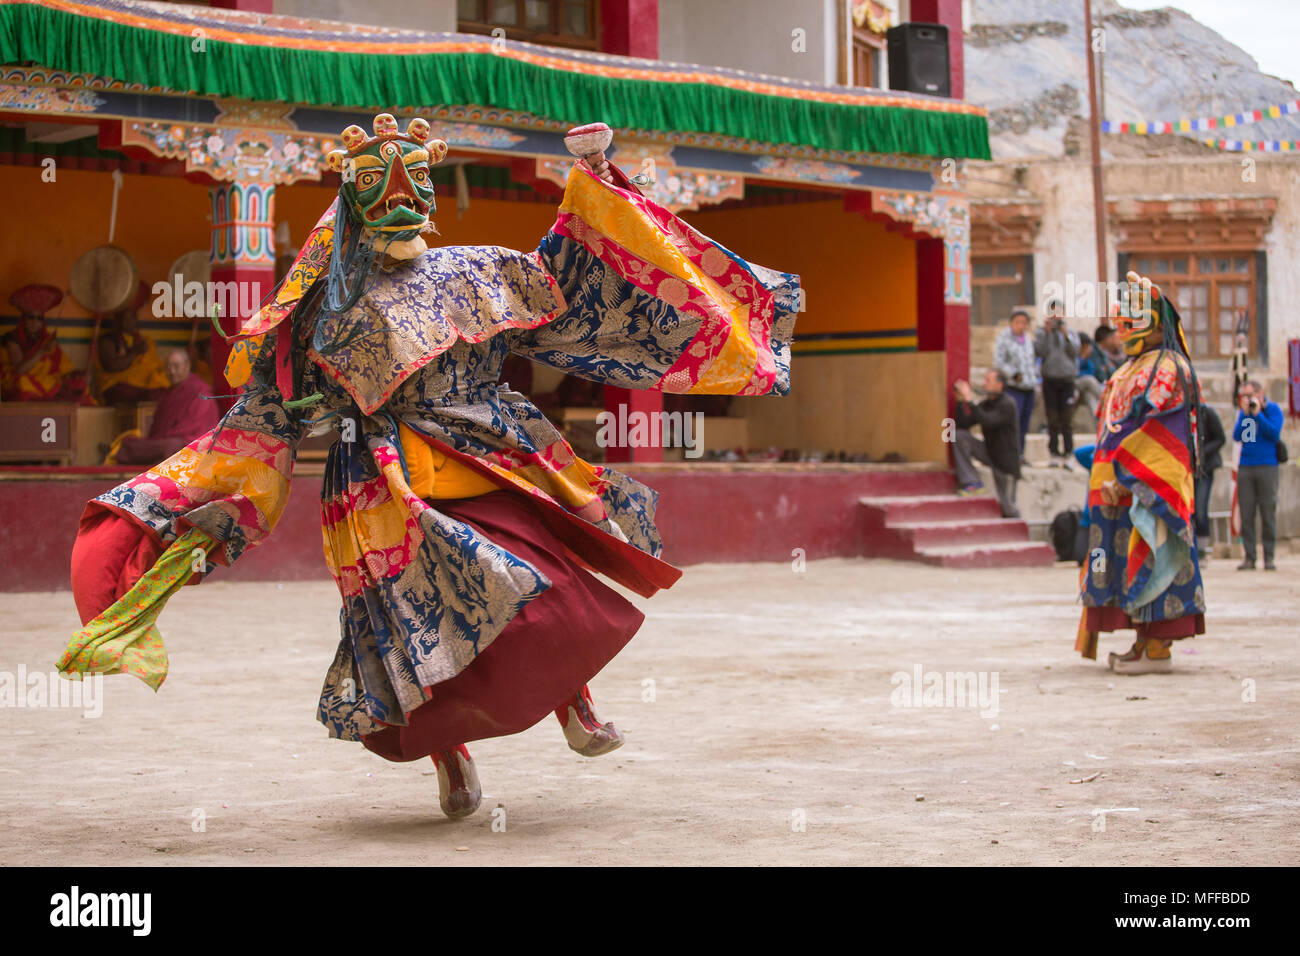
x: 386, y: 181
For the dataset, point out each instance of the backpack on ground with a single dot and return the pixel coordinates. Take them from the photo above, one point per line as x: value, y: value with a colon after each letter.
x: 1064, y: 533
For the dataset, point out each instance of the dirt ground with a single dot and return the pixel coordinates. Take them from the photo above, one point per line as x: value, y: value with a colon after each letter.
x: 771, y: 737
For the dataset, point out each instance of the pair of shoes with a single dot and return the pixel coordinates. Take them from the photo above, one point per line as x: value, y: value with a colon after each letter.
x: 1247, y: 565
x: 969, y: 491
x: 1138, y: 661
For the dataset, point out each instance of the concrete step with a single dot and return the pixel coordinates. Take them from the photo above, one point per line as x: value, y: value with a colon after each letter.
x: 941, y: 534
x: 1009, y: 554
x: 912, y: 509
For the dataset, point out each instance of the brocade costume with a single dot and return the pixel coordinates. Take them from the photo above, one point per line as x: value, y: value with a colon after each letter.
x: 1142, y: 570
x: 459, y: 525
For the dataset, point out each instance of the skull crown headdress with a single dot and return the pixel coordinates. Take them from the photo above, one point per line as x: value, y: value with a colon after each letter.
x: 387, y: 188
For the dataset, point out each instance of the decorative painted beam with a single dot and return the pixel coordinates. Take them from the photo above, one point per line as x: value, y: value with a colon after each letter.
x: 229, y: 54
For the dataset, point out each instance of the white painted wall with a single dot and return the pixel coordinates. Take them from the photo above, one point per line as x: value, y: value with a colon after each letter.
x: 752, y: 35
x: 431, y: 15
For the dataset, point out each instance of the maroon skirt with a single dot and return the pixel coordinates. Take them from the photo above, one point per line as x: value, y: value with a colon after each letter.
x: 1115, y: 619
x: 557, y: 643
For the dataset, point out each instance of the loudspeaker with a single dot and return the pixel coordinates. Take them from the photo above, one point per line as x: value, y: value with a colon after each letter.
x: 918, y: 58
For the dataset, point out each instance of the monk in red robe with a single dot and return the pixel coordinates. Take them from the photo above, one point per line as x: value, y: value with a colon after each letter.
x: 33, y: 367
x: 185, y: 411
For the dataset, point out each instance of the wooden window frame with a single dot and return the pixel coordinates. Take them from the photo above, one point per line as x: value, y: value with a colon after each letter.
x: 1024, y: 280
x: 1169, y: 284
x: 874, y: 46
x: 551, y: 37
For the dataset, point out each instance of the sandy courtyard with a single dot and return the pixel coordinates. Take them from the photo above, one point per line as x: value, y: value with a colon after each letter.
x: 770, y: 739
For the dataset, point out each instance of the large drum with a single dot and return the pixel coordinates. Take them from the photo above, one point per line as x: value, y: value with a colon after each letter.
x: 104, y: 280
x: 193, y: 266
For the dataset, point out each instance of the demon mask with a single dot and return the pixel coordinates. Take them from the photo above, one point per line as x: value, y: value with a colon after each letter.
x: 386, y: 184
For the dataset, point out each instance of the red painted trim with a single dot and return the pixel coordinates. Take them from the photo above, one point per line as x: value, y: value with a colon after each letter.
x: 630, y: 27
x: 250, y: 6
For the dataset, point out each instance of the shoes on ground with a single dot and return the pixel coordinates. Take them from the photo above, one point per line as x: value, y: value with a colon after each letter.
x: 1137, y: 662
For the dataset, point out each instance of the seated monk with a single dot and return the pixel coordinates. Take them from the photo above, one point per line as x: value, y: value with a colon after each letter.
x: 129, y: 367
x: 33, y: 367
x: 185, y: 411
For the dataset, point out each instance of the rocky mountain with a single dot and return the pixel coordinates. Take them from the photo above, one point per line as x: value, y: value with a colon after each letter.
x: 1025, y: 63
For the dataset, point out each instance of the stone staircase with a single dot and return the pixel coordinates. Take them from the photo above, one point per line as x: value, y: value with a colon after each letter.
x: 936, y: 526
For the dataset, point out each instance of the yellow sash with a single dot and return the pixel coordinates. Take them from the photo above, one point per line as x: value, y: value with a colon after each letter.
x: 434, y: 475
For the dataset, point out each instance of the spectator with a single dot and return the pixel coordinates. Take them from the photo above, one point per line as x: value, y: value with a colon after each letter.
x: 996, y: 416
x: 1258, y: 428
x: 1108, y: 354
x: 1058, y: 347
x: 1210, y: 438
x: 1088, y: 384
x: 1013, y: 356
x: 185, y: 411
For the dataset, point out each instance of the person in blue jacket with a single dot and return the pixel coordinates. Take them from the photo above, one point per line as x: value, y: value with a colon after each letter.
x: 1259, y: 429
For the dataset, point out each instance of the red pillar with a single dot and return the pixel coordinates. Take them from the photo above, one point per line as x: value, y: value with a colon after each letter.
x: 947, y: 12
x: 251, y: 6
x: 630, y: 27
x: 940, y: 326
x: 243, y: 260
x: 651, y: 403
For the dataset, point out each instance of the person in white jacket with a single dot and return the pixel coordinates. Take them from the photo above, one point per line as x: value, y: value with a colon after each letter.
x: 1013, y: 356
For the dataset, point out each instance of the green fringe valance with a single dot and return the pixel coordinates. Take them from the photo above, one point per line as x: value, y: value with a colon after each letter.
x: 62, y: 40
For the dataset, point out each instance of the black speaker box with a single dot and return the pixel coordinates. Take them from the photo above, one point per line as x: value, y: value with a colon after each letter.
x: 918, y: 58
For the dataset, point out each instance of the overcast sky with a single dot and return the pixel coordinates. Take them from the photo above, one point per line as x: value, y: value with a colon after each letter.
x: 1269, y: 30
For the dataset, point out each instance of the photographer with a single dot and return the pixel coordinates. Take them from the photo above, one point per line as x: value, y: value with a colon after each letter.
x: 996, y: 416
x: 1058, y: 347
x: 1013, y: 356
x: 1259, y: 429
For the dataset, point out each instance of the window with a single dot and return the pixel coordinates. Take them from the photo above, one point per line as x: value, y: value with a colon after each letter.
x: 1214, y: 294
x: 867, y: 57
x: 862, y: 56
x: 998, y: 286
x: 553, y: 22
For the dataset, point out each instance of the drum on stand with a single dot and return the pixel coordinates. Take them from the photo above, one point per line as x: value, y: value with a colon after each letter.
x: 103, y: 281
x: 195, y: 266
